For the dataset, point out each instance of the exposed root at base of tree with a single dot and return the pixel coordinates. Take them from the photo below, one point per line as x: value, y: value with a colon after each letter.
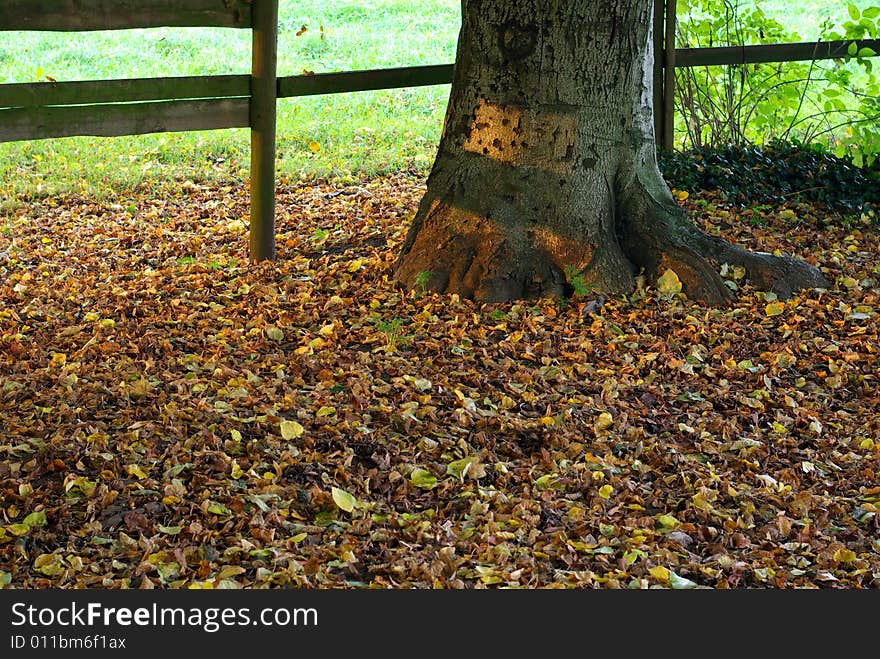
x: 453, y: 251
x: 658, y: 235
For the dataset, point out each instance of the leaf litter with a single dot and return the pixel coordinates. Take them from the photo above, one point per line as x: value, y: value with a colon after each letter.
x: 175, y: 417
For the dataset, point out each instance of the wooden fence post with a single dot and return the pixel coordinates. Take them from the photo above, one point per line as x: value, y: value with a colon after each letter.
x: 264, y: 94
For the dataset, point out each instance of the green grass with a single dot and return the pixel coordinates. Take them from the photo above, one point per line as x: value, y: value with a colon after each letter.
x: 358, y: 134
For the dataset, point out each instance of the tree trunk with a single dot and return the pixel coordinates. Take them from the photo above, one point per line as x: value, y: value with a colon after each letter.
x: 547, y: 166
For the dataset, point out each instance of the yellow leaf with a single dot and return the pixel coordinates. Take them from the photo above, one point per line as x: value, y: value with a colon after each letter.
x: 231, y: 571
x: 423, y: 478
x: 314, y: 147
x: 603, y: 421
x: 844, y: 555
x: 547, y: 421
x: 774, y: 308
x: 59, y: 359
x: 605, y: 491
x: 669, y: 284
x: 291, y: 430
x: 326, y: 411
x: 237, y: 471
x: 355, y: 265
x: 136, y: 471
x: 668, y: 521
x: 343, y: 499
x: 236, y: 435
x: 327, y: 330
x: 681, y: 195
x: 274, y: 333
x: 867, y: 444
x: 660, y: 573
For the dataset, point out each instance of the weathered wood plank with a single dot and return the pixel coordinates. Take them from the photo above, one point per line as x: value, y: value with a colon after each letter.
x: 357, y: 81
x: 788, y: 52
x: 81, y: 15
x: 122, y: 119
x: 123, y: 91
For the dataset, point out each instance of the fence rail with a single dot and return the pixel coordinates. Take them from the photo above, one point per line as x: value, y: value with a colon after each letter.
x: 30, y: 111
x: 82, y: 15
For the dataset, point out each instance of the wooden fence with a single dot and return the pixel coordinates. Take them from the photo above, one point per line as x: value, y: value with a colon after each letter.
x: 32, y: 111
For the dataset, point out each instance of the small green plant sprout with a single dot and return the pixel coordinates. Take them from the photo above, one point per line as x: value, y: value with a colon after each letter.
x: 319, y: 236
x: 579, y: 285
x: 421, y: 281
x: 392, y: 330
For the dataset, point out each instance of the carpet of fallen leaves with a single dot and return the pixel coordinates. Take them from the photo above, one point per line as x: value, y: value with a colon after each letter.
x: 175, y: 417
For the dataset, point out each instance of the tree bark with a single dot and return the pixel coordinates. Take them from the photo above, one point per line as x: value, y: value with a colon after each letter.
x: 547, y: 167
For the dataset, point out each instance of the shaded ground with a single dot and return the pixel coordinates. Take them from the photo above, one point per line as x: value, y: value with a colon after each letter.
x: 172, y: 417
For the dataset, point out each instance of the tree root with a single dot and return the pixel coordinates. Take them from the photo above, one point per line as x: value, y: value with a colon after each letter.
x: 455, y: 250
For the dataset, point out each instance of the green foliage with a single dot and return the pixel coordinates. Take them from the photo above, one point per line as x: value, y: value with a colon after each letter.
x: 392, y: 330
x: 579, y: 285
x: 420, y: 283
x: 834, y: 104
x: 773, y: 174
x: 319, y: 235
x: 362, y: 134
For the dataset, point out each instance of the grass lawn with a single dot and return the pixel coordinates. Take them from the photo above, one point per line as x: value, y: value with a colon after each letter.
x: 360, y: 134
